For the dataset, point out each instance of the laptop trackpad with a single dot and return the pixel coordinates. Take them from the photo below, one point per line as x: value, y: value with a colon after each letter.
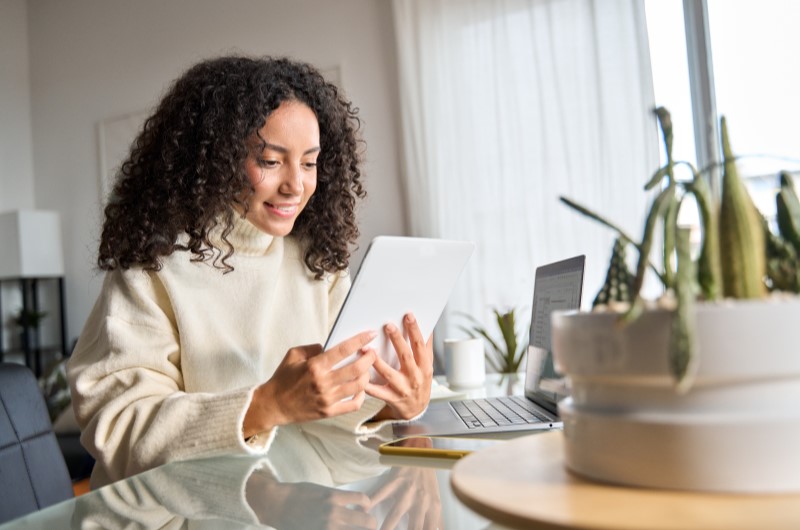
x: 438, y: 419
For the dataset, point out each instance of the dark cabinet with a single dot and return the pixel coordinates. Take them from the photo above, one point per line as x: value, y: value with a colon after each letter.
x: 31, y: 347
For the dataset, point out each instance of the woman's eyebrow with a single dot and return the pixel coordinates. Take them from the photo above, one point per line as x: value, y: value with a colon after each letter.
x: 281, y: 149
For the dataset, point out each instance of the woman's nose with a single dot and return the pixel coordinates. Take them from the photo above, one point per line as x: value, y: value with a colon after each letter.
x: 293, y: 181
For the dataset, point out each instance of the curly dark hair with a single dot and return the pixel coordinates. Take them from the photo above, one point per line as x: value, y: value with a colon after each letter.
x: 185, y: 171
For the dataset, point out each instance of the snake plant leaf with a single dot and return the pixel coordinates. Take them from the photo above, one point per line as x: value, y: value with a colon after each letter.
x: 597, y: 217
x: 670, y: 214
x: 635, y: 311
x: 605, y: 222
x: 788, y: 182
x: 670, y: 222
x: 742, y: 245
x: 665, y: 123
x: 788, y: 211
x: 656, y: 212
x: 657, y: 177
x: 682, y: 357
x: 619, y: 280
x: 709, y: 269
x: 783, y: 264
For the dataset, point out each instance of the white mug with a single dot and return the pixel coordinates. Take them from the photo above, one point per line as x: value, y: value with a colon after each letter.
x: 464, y: 363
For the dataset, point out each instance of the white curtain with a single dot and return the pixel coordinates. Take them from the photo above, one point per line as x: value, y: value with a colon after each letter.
x: 508, y: 104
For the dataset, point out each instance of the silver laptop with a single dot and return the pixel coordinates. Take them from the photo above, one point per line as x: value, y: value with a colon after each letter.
x: 558, y: 286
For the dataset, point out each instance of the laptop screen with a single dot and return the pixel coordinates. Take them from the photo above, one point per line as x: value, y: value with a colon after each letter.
x: 558, y: 286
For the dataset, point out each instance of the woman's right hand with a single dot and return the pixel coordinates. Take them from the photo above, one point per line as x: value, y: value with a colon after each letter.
x: 306, y: 387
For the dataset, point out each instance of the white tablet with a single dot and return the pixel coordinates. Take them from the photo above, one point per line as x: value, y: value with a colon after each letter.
x: 399, y: 275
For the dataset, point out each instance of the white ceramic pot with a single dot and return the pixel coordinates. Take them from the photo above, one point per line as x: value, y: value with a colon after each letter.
x: 736, y: 430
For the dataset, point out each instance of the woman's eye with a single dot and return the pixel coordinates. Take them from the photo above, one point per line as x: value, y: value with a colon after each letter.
x: 310, y: 165
x: 263, y: 162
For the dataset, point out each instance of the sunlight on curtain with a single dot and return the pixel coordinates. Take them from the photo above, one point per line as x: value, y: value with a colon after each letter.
x: 506, y: 105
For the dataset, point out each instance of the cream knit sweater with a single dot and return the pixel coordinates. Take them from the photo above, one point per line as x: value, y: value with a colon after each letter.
x: 167, y: 362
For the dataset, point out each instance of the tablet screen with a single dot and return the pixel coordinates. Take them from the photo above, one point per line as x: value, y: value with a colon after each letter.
x: 399, y: 275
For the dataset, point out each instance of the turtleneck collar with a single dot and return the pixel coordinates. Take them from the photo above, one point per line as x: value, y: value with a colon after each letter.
x: 246, y: 238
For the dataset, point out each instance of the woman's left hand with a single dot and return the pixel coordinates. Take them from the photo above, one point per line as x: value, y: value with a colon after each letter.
x: 407, y: 390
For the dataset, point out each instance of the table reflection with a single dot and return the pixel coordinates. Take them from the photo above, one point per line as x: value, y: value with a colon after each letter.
x: 314, y: 476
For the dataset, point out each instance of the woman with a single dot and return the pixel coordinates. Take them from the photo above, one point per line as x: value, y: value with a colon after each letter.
x: 226, y: 243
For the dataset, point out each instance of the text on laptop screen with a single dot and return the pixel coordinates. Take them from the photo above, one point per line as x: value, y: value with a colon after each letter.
x: 558, y: 286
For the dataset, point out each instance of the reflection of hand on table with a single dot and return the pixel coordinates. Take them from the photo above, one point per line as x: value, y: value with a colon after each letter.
x: 304, y: 505
x: 411, y: 491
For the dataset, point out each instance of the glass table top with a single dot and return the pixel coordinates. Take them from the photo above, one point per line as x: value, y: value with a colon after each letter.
x: 314, y: 476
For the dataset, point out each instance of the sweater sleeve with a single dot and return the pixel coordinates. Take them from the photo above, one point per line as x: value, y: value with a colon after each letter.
x: 128, y: 391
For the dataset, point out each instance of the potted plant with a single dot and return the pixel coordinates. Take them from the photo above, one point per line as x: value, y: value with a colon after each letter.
x: 29, y: 321
x: 699, y: 389
x: 504, y: 355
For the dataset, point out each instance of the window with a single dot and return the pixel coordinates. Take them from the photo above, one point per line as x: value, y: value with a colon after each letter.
x: 671, y: 72
x: 751, y: 77
x: 754, y: 46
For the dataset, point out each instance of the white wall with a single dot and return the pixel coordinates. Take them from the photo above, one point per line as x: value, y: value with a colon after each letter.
x: 95, y: 59
x: 16, y: 158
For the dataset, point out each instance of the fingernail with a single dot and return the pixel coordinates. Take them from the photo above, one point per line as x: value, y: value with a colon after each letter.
x: 410, y: 318
x: 390, y: 328
x: 372, y: 334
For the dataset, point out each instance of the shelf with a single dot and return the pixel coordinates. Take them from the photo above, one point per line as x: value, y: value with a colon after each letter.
x: 47, y: 350
x: 30, y: 302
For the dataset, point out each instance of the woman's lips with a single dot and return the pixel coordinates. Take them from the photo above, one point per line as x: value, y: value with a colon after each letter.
x: 283, y: 210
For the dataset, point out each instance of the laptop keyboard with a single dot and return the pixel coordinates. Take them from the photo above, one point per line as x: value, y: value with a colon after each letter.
x: 490, y: 412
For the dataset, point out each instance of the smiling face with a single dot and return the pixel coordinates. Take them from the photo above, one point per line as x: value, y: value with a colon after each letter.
x: 282, y: 167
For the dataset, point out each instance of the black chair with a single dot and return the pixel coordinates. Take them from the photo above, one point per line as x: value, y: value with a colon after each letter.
x: 33, y: 474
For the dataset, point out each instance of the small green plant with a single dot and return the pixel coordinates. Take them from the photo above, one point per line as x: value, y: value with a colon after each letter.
x: 29, y: 319
x: 504, y: 355
x: 740, y: 257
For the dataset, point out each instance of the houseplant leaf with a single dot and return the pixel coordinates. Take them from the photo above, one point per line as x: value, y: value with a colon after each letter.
x: 742, y: 245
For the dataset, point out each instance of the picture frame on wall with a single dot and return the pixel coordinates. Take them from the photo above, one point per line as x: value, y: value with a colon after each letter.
x: 115, y: 136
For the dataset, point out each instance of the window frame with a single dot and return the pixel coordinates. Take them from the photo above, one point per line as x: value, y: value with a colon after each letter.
x: 702, y: 90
